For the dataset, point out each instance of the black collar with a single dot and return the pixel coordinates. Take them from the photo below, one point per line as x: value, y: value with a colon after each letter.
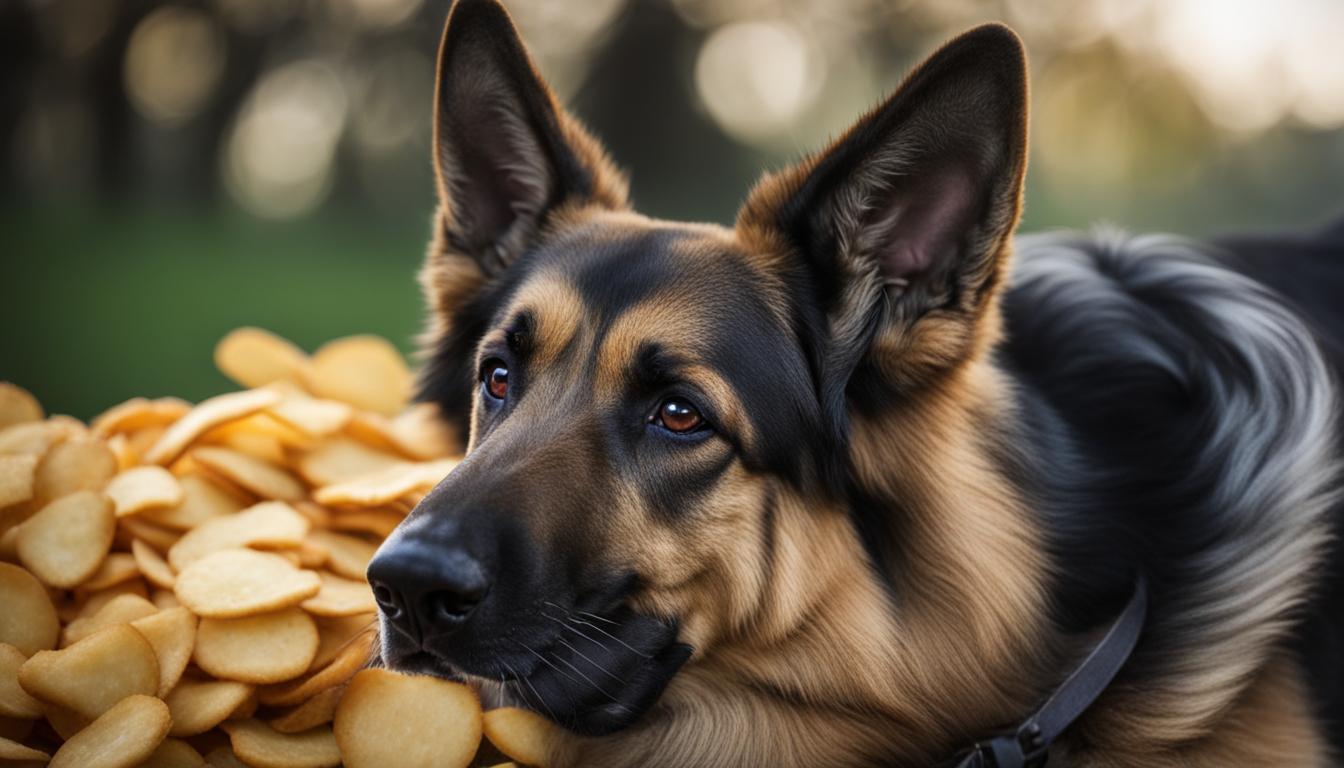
x: 1029, y: 744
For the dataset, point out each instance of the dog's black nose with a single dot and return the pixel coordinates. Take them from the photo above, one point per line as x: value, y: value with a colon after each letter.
x: 424, y: 591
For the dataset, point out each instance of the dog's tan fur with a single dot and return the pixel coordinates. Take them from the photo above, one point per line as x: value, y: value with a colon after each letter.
x: 802, y: 658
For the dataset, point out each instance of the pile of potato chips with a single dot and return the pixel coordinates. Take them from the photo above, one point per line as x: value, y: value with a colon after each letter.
x: 184, y: 585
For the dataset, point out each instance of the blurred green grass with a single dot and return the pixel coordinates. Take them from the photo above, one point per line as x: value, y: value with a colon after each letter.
x: 97, y: 306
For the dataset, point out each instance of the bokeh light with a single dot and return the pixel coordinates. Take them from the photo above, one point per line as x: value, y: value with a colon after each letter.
x: 174, y: 61
x: 755, y: 78
x: 278, y: 160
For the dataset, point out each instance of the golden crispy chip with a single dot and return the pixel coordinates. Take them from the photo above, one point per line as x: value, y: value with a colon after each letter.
x: 310, y: 415
x: 445, y: 716
x: 314, y: 512
x: 265, y: 448
x: 78, y: 464
x: 256, y: 744
x: 202, y: 500
x: 16, y: 752
x: 270, y: 524
x: 152, y: 565
x: 208, y: 414
x: 17, y: 405
x: 14, y: 701
x: 124, y: 736
x: 379, y: 522
x: 122, y: 609
x: 311, y: 554
x: 65, y: 722
x: 336, y: 632
x: 387, y: 485
x: 509, y: 764
x: 141, y: 488
x: 418, y: 432
x: 265, y: 425
x: 255, y: 357
x: 347, y: 555
x: 136, y: 445
x: 28, y: 621
x: 340, y: 459
x: 269, y: 648
x: 243, y: 582
x: 17, y: 474
x: 199, y: 705
x: 94, y: 673
x: 223, y: 757
x: 351, y: 658
x: 174, y: 753
x: 36, y: 437
x: 117, y: 567
x: 341, y: 597
x: 260, y: 477
x: 172, y: 633
x: 131, y: 528
x: 318, y: 710
x: 521, y: 734
x: 365, y: 371
x: 138, y: 413
x: 164, y: 599
x: 88, y: 603
x: 66, y: 541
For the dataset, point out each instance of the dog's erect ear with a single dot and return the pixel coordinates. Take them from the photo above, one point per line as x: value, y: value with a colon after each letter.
x: 505, y: 152
x: 900, y: 229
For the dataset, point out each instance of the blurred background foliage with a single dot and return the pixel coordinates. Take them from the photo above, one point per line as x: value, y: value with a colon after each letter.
x: 170, y: 170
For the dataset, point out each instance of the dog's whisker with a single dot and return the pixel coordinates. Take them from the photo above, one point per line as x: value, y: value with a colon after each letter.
x: 628, y: 646
x: 599, y: 618
x: 581, y: 655
x: 588, y: 679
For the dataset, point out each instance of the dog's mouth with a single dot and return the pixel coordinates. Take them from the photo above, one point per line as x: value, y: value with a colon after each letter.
x: 590, y: 673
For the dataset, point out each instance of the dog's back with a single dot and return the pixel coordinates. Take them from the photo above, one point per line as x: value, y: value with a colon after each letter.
x: 1309, y: 271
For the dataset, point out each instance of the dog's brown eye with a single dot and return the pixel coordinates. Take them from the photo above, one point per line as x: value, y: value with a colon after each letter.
x: 677, y: 415
x: 496, y: 377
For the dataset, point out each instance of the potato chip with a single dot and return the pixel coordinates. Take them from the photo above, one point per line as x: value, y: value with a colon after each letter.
x: 122, y: 609
x: 131, y: 528
x: 80, y: 464
x: 172, y: 633
x: 35, y: 437
x: 202, y: 500
x: 88, y: 603
x: 17, y: 474
x: 243, y: 582
x: 445, y: 716
x: 14, y: 751
x: 341, y: 597
x: 117, y: 567
x: 65, y: 542
x: 351, y: 658
x: 311, y: 554
x: 208, y: 414
x: 256, y: 744
x: 387, y: 485
x: 365, y: 371
x: 312, y: 416
x: 260, y: 477
x: 141, y: 488
x: 64, y: 721
x: 199, y: 705
x: 267, y: 648
x: 124, y: 736
x: 340, y: 459
x: 174, y: 753
x: 137, y: 444
x: 379, y: 522
x: 314, y: 512
x: 152, y: 565
x: 334, y: 633
x: 265, y: 448
x: 94, y: 673
x: 419, y: 432
x: 317, y: 710
x: 268, y: 524
x: 17, y: 405
x: 138, y: 413
x: 254, y: 357
x: 347, y: 556
x: 223, y: 757
x: 14, y: 701
x: 521, y: 734
x: 164, y: 599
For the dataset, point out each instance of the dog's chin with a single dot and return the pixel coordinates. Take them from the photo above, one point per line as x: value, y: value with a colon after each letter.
x: 594, y: 678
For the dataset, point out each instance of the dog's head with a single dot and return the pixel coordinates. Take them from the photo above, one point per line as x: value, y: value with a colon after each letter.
x: 637, y: 396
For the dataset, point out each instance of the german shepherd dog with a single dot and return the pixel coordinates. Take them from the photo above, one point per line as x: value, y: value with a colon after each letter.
x: 847, y: 484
